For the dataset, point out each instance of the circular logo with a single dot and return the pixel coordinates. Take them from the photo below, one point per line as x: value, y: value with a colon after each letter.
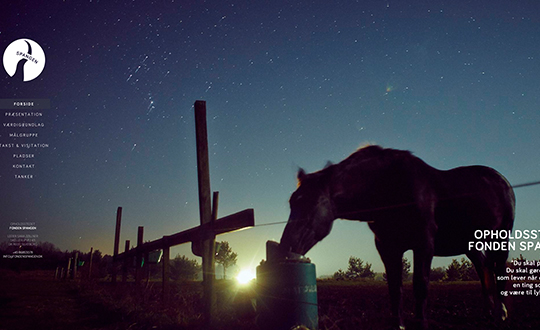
x: 26, y: 55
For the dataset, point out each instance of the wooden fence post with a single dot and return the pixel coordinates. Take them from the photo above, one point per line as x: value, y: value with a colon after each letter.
x: 90, y: 266
x: 116, y: 241
x: 165, y: 274
x: 202, y: 237
x: 146, y: 267
x: 215, y: 202
x: 68, y: 270
x: 205, y: 211
x: 75, y: 265
x: 138, y: 259
x: 125, y: 263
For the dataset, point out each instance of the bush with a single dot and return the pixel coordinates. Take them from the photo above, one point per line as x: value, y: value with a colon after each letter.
x: 183, y: 269
x: 437, y: 274
x: 460, y: 271
x: 356, y: 270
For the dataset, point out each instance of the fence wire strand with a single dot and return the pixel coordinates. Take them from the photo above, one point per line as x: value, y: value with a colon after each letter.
x: 526, y: 184
x: 521, y: 185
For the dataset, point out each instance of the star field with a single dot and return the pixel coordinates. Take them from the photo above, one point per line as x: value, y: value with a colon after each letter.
x: 286, y: 85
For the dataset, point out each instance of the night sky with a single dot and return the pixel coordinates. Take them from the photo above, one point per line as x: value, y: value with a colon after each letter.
x: 287, y: 85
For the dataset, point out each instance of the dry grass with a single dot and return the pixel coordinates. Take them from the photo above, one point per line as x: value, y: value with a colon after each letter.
x: 39, y: 302
x: 454, y: 305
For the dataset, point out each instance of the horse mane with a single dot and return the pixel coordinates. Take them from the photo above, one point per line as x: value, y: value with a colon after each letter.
x: 368, y: 152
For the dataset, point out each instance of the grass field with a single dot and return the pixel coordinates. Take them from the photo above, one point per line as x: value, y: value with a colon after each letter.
x: 454, y: 305
x: 37, y: 301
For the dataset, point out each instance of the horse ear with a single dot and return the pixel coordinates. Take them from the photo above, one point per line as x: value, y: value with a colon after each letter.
x: 301, y: 175
x: 328, y: 164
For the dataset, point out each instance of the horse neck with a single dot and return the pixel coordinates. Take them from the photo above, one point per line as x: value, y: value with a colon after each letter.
x: 348, y: 189
x: 358, y: 190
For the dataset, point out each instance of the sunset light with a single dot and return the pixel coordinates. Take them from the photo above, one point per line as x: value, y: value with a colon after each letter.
x: 245, y: 276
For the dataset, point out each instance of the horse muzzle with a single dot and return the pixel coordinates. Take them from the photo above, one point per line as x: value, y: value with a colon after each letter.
x: 297, y: 239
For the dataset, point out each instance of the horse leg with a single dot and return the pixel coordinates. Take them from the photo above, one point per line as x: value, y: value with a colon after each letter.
x: 499, y: 258
x: 422, y: 267
x: 479, y: 261
x: 392, y: 260
x: 485, y: 269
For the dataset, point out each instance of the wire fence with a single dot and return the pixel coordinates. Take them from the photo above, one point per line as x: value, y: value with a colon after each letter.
x: 521, y: 185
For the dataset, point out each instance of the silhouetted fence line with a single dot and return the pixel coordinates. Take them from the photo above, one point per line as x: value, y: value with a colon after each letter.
x: 202, y: 237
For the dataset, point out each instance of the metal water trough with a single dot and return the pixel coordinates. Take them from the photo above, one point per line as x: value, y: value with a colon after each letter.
x: 287, y: 291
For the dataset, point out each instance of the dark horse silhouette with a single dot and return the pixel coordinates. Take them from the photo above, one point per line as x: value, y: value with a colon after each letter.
x: 409, y: 205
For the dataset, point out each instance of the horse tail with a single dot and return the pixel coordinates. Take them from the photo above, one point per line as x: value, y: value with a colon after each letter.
x: 498, y: 259
x: 508, y: 199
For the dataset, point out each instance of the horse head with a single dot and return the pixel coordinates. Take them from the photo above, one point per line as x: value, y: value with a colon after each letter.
x: 311, y: 214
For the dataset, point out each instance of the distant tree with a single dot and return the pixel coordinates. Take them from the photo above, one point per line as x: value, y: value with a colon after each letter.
x: 183, y: 268
x: 356, y: 270
x: 225, y: 256
x: 47, y: 248
x: 340, y: 275
x: 405, y: 269
x: 99, y: 266
x: 452, y: 272
x: 467, y: 270
x: 437, y: 274
x: 97, y: 256
x: 460, y: 271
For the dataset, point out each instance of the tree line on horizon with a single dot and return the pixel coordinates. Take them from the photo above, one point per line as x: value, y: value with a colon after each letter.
x: 183, y: 268
x: 457, y: 271
x: 52, y: 258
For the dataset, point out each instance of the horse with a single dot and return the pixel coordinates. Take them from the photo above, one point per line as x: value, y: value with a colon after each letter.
x: 409, y: 205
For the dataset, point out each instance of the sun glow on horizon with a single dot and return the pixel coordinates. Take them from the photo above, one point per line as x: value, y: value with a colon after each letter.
x: 245, y: 276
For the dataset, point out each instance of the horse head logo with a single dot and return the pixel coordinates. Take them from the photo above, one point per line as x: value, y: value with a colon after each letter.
x: 26, y: 55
